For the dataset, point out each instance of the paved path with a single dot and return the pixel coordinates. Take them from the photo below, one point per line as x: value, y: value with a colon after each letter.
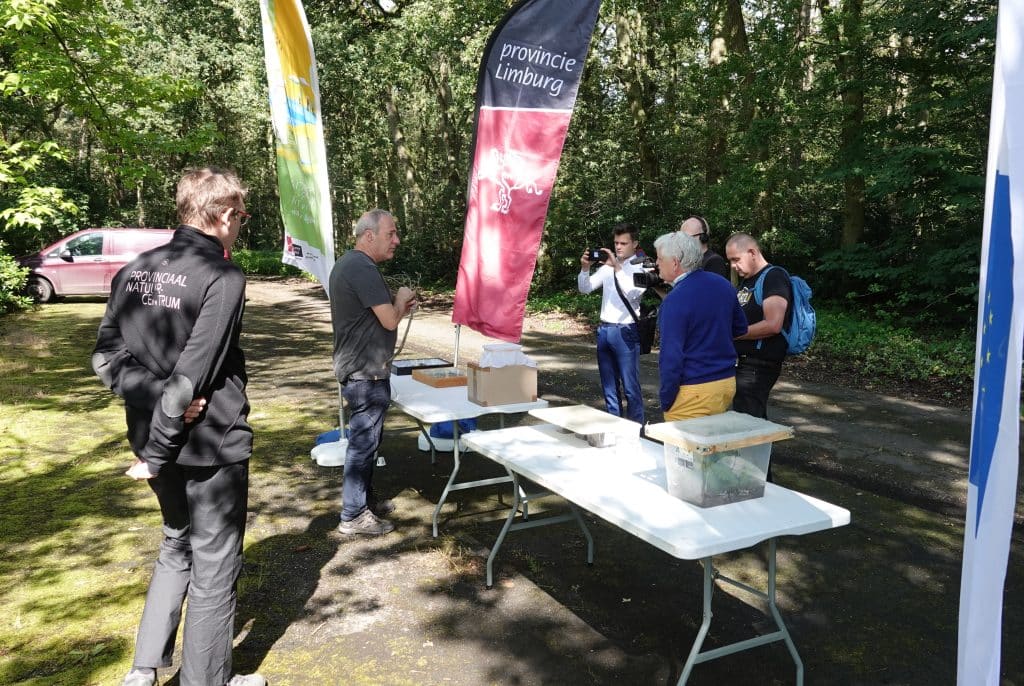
x: 872, y: 603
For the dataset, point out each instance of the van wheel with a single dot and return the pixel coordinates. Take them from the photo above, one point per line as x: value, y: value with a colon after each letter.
x: 40, y: 290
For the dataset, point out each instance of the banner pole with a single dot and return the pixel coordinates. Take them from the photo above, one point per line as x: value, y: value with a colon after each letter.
x: 458, y: 331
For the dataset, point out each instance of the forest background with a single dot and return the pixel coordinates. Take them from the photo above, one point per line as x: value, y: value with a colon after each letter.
x: 849, y: 136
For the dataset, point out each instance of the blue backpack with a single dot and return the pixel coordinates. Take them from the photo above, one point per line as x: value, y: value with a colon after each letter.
x: 804, y: 322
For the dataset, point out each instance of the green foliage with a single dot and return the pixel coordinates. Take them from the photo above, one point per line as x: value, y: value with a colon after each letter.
x: 903, y: 283
x: 866, y: 347
x: 12, y: 285
x: 104, y: 104
x: 264, y: 263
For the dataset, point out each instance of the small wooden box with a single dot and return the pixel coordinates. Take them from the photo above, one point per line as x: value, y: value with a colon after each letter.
x: 489, y: 386
x: 442, y: 377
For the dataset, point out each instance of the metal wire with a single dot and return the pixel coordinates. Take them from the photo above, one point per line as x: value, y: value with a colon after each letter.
x: 394, y: 282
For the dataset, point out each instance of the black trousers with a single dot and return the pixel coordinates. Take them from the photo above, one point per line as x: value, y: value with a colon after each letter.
x: 200, y: 558
x: 755, y: 379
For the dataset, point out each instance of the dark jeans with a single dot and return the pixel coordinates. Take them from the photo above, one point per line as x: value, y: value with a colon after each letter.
x: 618, y: 359
x: 367, y: 404
x: 203, y: 511
x: 755, y: 379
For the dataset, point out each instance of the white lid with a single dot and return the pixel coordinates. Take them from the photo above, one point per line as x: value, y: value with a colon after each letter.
x: 581, y: 419
x: 717, y: 432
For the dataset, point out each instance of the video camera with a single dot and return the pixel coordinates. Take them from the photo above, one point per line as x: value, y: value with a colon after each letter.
x: 596, y: 255
x: 649, y: 277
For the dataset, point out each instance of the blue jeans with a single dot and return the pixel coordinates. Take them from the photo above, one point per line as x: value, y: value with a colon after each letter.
x: 367, y: 404
x: 618, y: 360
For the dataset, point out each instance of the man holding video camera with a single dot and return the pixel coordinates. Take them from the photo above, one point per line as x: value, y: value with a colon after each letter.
x: 618, y: 340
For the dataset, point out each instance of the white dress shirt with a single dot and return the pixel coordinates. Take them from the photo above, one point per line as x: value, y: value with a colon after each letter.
x: 613, y: 311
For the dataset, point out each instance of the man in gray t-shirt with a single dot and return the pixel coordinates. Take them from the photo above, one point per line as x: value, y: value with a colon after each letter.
x: 365, y: 319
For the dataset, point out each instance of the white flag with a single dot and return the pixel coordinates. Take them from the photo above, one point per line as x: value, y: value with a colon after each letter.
x: 995, y: 434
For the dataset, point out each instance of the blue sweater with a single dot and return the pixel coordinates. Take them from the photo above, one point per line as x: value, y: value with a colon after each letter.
x: 699, y: 319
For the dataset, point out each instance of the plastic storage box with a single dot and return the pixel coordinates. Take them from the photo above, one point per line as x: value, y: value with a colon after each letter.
x: 718, y: 459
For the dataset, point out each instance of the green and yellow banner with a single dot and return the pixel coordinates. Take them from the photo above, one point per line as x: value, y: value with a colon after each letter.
x: 301, y: 155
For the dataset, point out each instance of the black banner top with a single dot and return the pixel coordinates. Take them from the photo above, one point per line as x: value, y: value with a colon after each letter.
x: 535, y: 57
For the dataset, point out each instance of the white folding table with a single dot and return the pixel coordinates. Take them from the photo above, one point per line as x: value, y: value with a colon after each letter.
x: 626, y: 486
x: 429, y: 405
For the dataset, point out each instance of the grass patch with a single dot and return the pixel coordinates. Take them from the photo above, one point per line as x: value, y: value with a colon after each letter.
x: 77, y: 538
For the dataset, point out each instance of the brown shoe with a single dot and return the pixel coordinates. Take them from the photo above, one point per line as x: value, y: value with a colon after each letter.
x: 366, y: 523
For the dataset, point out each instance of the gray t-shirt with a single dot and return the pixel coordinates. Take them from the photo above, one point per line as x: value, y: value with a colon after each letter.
x: 362, y: 346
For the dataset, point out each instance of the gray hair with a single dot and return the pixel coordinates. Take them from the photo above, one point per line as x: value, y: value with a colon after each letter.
x: 370, y: 221
x: 680, y: 246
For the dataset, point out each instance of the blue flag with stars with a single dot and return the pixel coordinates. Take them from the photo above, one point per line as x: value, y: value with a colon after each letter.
x: 995, y: 433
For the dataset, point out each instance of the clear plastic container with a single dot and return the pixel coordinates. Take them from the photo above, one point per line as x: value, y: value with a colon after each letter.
x: 709, y: 479
x: 718, y: 459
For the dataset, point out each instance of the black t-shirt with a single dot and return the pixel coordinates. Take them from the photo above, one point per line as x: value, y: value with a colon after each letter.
x: 713, y: 262
x: 775, y: 283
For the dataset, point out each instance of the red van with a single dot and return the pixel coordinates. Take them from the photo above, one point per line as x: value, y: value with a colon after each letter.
x: 85, y: 262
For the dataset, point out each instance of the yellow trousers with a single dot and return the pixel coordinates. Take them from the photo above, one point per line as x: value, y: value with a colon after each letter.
x: 702, y: 399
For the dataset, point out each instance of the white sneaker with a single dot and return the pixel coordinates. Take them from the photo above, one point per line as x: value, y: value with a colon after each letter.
x: 140, y: 677
x: 247, y: 680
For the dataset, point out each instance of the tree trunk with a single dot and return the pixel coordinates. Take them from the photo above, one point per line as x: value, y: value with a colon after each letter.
x: 848, y: 43
x: 409, y: 189
x: 631, y: 36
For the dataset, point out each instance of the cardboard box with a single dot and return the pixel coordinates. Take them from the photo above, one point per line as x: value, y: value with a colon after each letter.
x: 489, y: 386
x: 443, y: 377
x: 718, y: 459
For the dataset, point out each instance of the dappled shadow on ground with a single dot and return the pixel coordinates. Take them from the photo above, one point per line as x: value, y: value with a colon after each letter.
x: 281, y: 575
x: 871, y: 603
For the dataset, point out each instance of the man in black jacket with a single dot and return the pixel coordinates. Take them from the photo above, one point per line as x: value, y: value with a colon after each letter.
x: 168, y: 345
x: 710, y: 261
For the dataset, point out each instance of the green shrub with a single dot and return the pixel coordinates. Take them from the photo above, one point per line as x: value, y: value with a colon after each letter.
x: 12, y: 285
x: 264, y: 263
x: 879, y: 349
x: 570, y: 302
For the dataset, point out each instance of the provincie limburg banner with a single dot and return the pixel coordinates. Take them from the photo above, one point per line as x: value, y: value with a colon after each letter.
x: 526, y: 91
x: 301, y: 153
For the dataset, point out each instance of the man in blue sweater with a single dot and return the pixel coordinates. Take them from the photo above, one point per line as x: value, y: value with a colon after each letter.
x: 699, y: 318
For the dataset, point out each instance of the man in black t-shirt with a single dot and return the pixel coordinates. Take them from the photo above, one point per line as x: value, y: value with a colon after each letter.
x: 762, y: 349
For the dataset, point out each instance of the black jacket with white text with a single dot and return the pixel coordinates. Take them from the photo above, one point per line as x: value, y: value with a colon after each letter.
x: 170, y: 335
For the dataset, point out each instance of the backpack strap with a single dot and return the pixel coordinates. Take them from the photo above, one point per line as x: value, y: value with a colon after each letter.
x: 759, y: 284
x: 759, y: 295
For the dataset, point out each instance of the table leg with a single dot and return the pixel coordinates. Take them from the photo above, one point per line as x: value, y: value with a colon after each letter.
x: 504, y: 529
x: 782, y: 634
x: 585, y: 530
x: 451, y: 479
x: 452, y: 486
x: 519, y: 499
x: 426, y: 434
